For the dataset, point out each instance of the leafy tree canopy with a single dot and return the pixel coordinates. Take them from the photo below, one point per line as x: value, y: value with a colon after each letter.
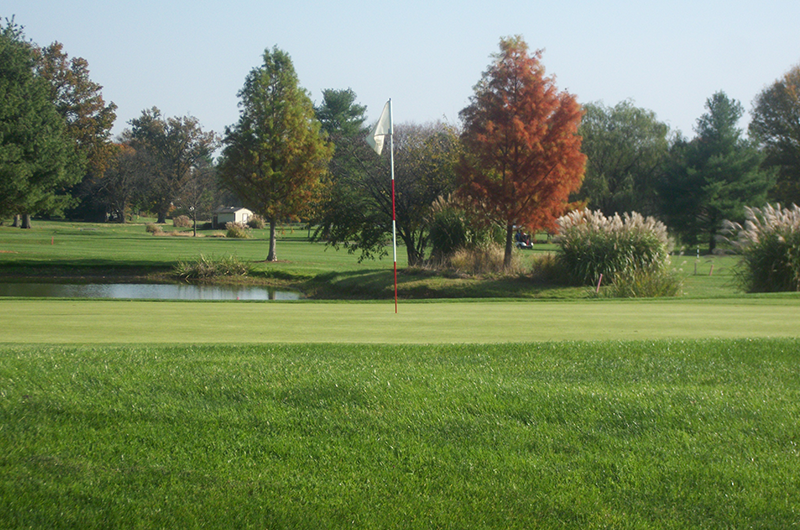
x: 625, y: 147
x: 356, y: 212
x: 170, y: 149
x: 714, y: 176
x: 88, y: 118
x: 522, y: 151
x: 80, y: 101
x: 776, y: 125
x: 38, y: 161
x: 275, y: 156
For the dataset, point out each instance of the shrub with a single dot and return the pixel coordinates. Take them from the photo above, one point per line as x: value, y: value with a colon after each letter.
x: 237, y: 231
x: 547, y: 269
x: 204, y: 268
x: 256, y: 222
x: 152, y: 228
x: 648, y: 282
x: 591, y: 244
x: 452, y: 228
x: 769, y: 243
x: 448, y: 232
x: 182, y: 221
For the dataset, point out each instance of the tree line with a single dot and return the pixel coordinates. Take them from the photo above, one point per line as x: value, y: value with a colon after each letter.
x: 523, y: 154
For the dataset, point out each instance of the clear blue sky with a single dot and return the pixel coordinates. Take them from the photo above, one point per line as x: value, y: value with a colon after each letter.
x: 192, y: 57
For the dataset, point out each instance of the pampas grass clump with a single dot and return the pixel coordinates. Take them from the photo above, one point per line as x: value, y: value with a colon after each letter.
x: 591, y: 244
x: 182, y: 221
x: 769, y: 243
x: 237, y: 231
x: 256, y: 222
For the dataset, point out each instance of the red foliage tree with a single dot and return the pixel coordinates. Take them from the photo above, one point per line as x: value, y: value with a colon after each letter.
x: 523, y: 155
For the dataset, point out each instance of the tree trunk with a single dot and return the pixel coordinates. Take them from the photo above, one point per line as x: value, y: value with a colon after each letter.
x: 16, y: 222
x: 509, y: 246
x: 415, y: 257
x: 162, y: 218
x: 272, y: 240
x: 26, y: 220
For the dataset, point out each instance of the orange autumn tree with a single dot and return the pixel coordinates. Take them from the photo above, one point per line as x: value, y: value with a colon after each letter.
x: 523, y: 155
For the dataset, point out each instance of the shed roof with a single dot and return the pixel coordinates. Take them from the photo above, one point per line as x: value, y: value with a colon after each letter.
x: 230, y: 209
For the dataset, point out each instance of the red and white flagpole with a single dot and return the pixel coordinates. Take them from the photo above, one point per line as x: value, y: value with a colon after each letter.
x: 375, y: 139
x: 394, y: 216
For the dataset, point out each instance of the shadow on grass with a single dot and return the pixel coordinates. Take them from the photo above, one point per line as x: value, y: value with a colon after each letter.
x: 421, y: 285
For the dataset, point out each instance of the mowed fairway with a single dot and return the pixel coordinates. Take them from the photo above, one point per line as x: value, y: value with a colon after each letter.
x: 108, y: 321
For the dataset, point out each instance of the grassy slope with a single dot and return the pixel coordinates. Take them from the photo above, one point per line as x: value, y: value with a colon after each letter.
x: 667, y: 434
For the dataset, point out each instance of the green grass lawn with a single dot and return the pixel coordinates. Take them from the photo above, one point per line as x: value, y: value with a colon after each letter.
x: 515, y: 406
x: 115, y: 321
x: 73, y: 245
x: 615, y: 434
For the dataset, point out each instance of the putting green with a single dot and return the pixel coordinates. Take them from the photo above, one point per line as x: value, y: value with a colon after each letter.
x: 114, y: 321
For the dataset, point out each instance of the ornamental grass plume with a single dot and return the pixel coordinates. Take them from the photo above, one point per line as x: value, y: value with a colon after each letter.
x: 237, y: 231
x: 591, y: 244
x: 769, y: 243
x: 182, y: 221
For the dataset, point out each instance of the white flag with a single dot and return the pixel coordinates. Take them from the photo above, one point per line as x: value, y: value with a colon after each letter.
x: 382, y: 128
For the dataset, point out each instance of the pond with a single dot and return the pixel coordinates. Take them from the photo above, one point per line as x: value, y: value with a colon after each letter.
x: 142, y: 290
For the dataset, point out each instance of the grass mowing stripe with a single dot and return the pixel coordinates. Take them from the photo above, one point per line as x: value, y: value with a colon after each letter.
x: 107, y: 321
x: 664, y: 434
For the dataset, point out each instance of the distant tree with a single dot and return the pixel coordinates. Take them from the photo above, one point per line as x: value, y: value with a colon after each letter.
x: 340, y: 115
x: 345, y: 214
x: 425, y: 169
x: 714, y: 176
x: 171, y: 148
x: 776, y: 126
x: 197, y: 196
x: 115, y: 193
x: 357, y: 210
x: 80, y: 101
x: 38, y: 161
x: 625, y: 147
x: 522, y: 149
x: 275, y: 156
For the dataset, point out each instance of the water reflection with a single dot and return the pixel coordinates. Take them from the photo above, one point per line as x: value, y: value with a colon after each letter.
x: 152, y: 291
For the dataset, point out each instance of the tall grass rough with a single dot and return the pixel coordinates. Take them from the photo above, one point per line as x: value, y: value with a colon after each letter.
x: 769, y: 243
x: 591, y: 244
x: 484, y: 259
x: 208, y: 267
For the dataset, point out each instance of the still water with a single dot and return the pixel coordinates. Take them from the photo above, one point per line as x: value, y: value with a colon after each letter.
x: 151, y: 291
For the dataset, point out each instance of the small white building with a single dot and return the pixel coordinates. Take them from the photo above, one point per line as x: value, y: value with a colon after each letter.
x: 230, y: 214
